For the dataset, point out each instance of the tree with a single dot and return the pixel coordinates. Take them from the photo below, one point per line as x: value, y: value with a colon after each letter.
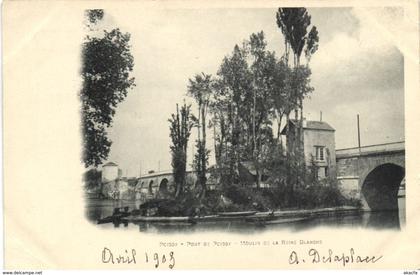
x: 242, y: 105
x: 93, y: 16
x: 235, y: 90
x: 312, y: 43
x: 200, y: 89
x: 92, y: 178
x: 218, y: 107
x: 106, y: 66
x: 263, y: 66
x: 252, y: 88
x: 293, y: 23
x: 180, y: 131
x: 281, y: 95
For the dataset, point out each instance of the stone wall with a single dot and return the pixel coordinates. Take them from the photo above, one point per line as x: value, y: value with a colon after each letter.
x: 118, y: 189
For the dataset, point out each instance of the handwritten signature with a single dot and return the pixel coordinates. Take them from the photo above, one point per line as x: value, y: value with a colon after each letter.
x: 315, y: 257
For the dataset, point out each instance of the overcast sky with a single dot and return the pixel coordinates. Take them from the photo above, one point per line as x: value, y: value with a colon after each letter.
x: 358, y: 69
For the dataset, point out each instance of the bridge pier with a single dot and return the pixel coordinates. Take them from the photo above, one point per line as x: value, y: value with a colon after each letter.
x: 350, y: 188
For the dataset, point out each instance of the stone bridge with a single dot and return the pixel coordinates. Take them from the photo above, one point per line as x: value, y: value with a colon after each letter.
x: 157, y: 183
x: 162, y: 184
x: 375, y: 174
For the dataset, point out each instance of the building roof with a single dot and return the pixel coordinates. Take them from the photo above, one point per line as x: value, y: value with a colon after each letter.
x: 318, y: 125
x: 110, y: 164
x: 311, y: 125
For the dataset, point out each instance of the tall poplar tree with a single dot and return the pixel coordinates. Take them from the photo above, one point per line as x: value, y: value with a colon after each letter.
x: 200, y: 89
x: 294, y: 24
x: 180, y: 125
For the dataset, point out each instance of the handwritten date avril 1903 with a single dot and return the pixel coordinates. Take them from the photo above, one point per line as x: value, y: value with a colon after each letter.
x: 315, y: 257
x: 131, y: 257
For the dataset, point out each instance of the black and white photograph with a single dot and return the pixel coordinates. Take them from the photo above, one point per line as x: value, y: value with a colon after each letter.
x: 150, y: 135
x: 243, y: 120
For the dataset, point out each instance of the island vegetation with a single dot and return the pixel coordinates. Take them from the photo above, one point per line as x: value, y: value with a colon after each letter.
x: 244, y: 105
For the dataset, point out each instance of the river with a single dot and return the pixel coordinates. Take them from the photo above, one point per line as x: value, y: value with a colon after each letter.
x: 395, y: 220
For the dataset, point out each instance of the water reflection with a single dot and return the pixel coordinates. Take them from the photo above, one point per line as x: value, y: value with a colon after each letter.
x: 385, y: 219
x: 97, y: 208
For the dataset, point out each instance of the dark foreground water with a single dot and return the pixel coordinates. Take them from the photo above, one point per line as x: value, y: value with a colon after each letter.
x: 395, y: 220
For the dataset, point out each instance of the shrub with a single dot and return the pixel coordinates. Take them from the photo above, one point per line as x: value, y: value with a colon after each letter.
x: 247, y: 198
x: 318, y: 195
x: 238, y: 194
x: 92, y: 179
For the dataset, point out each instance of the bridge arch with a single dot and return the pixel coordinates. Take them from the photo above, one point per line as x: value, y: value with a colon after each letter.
x: 380, y: 186
x: 163, y: 186
x: 150, y: 189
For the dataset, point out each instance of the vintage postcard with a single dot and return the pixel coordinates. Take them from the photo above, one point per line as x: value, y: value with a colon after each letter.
x: 211, y: 134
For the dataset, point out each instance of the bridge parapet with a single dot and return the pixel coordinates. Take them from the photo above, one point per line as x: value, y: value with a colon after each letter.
x: 371, y: 149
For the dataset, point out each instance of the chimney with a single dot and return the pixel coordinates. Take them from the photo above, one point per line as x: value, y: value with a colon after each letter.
x: 320, y: 116
x: 304, y: 122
